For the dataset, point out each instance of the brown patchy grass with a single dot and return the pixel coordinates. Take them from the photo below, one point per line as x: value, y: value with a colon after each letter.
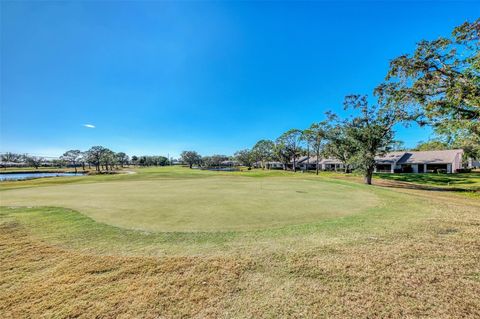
x: 40, y: 280
x: 431, y: 273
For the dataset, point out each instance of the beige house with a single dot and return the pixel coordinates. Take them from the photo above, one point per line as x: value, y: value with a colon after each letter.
x: 324, y: 164
x: 448, y: 161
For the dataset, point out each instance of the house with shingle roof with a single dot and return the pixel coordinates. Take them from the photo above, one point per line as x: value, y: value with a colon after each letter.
x: 325, y: 164
x: 448, y: 161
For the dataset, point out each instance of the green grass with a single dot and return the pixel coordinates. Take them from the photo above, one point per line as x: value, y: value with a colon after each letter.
x: 202, y: 204
x: 330, y: 248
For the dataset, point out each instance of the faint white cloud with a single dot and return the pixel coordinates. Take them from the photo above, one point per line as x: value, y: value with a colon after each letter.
x: 89, y: 125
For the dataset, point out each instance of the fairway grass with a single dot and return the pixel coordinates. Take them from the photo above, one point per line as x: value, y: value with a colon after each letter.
x: 377, y: 252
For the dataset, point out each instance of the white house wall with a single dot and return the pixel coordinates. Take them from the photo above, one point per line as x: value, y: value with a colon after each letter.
x: 457, y: 163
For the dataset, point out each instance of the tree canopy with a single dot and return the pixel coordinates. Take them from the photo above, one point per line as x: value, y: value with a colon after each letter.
x: 291, y: 142
x: 245, y: 157
x: 370, y: 131
x: 190, y: 158
x: 440, y: 81
x: 315, y: 136
x: 72, y: 157
x: 263, y: 151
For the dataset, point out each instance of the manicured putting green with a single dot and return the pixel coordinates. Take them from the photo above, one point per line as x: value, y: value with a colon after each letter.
x: 202, y: 204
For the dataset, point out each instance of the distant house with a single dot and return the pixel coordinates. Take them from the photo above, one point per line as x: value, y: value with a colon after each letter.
x: 388, y: 162
x: 324, y: 164
x: 12, y: 164
x: 300, y: 162
x: 274, y: 165
x: 331, y: 164
x: 269, y: 165
x: 230, y: 163
x: 473, y: 163
x: 448, y: 161
x: 309, y: 163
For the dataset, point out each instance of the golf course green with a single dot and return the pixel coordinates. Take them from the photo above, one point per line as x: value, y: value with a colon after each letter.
x: 212, y: 203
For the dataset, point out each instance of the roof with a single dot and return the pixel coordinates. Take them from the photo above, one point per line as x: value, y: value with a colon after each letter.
x: 299, y: 159
x: 270, y: 163
x: 331, y: 161
x: 229, y: 162
x: 313, y: 160
x: 389, y: 158
x: 430, y: 157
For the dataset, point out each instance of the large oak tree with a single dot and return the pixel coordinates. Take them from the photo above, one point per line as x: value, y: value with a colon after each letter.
x: 370, y: 131
x: 440, y: 80
x: 190, y: 158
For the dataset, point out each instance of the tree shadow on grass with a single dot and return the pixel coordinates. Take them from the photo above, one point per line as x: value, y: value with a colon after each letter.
x: 434, y: 179
x: 393, y: 183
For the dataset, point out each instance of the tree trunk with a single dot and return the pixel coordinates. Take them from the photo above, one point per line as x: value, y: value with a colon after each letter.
x: 294, y: 164
x: 308, y: 158
x: 75, y: 168
x: 368, y: 177
x: 191, y: 165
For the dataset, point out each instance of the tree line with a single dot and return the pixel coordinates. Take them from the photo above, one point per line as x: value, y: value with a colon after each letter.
x: 437, y: 85
x: 99, y: 157
x: 192, y: 158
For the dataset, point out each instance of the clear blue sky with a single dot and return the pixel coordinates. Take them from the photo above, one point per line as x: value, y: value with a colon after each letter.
x: 162, y: 77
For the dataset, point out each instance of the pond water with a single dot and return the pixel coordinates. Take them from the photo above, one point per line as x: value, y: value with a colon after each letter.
x: 23, y: 176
